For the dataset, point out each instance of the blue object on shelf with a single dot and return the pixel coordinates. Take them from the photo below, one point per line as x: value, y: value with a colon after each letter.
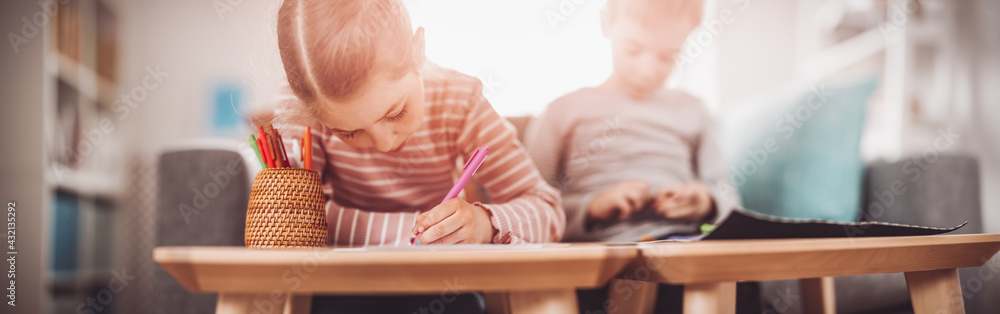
x: 227, y: 105
x: 65, y: 228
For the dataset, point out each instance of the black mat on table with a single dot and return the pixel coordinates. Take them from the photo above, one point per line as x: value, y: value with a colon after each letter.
x: 744, y: 224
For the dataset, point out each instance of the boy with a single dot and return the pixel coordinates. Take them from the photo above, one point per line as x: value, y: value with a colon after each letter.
x: 631, y: 158
x: 634, y: 160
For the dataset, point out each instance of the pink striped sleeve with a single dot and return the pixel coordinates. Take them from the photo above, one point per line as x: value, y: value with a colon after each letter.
x: 525, y: 209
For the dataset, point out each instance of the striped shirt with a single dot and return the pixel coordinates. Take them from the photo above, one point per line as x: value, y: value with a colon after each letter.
x: 373, y: 197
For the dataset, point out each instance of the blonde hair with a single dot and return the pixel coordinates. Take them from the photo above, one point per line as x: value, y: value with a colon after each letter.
x: 332, y: 48
x: 650, y: 12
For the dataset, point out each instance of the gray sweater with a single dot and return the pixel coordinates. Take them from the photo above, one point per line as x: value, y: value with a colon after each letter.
x: 587, y: 141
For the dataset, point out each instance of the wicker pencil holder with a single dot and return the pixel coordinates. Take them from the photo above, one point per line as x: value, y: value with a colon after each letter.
x: 286, y: 210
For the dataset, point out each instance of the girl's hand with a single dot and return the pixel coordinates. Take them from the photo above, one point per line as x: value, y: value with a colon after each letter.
x: 452, y: 222
x: 690, y: 201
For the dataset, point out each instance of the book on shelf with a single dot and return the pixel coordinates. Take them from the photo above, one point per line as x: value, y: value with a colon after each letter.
x: 65, y: 230
x: 67, y: 37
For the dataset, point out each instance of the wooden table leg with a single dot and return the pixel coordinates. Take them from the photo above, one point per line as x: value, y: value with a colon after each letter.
x: 935, y: 291
x: 632, y: 297
x: 298, y: 304
x: 263, y: 303
x: 543, y: 301
x: 818, y: 295
x: 236, y: 303
x: 710, y: 298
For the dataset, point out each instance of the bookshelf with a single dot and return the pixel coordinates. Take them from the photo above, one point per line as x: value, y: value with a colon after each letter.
x: 83, y: 177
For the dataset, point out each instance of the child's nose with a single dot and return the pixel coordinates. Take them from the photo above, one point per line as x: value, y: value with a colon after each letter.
x: 384, y: 139
x: 650, y: 67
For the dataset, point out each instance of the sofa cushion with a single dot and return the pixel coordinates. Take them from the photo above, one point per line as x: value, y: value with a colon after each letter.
x: 796, y: 153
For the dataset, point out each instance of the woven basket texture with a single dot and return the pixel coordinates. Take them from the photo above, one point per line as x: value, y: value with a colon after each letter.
x: 286, y: 210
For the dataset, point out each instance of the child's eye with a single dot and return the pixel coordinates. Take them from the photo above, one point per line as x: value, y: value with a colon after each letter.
x: 398, y: 116
x: 668, y: 57
x: 347, y: 136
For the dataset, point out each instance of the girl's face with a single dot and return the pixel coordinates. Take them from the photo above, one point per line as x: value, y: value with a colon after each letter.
x: 384, y: 115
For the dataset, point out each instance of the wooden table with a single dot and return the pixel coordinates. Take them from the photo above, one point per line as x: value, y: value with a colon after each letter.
x: 709, y: 270
x: 540, y: 280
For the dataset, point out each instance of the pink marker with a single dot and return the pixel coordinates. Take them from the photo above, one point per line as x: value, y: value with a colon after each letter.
x: 468, y: 170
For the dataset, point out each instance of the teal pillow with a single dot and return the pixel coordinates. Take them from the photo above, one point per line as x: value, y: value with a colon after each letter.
x: 800, y: 156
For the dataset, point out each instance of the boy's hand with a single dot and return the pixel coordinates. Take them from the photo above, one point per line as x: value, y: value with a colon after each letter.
x: 689, y: 201
x: 621, y: 201
x: 454, y: 221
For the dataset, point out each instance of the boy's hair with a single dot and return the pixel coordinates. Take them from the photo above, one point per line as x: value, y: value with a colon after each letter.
x: 333, y: 48
x: 650, y: 12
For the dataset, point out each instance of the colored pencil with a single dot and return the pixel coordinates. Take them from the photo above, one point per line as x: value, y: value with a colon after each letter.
x: 256, y: 150
x: 268, y: 157
x: 307, y: 149
x: 272, y: 154
x: 280, y: 147
x: 263, y: 155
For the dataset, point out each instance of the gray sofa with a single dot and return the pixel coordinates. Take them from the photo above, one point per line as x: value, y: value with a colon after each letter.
x: 945, y: 194
x: 186, y: 216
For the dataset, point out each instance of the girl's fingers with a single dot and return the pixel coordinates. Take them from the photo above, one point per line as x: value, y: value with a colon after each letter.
x: 443, y: 228
x: 458, y: 236
x: 437, y: 214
